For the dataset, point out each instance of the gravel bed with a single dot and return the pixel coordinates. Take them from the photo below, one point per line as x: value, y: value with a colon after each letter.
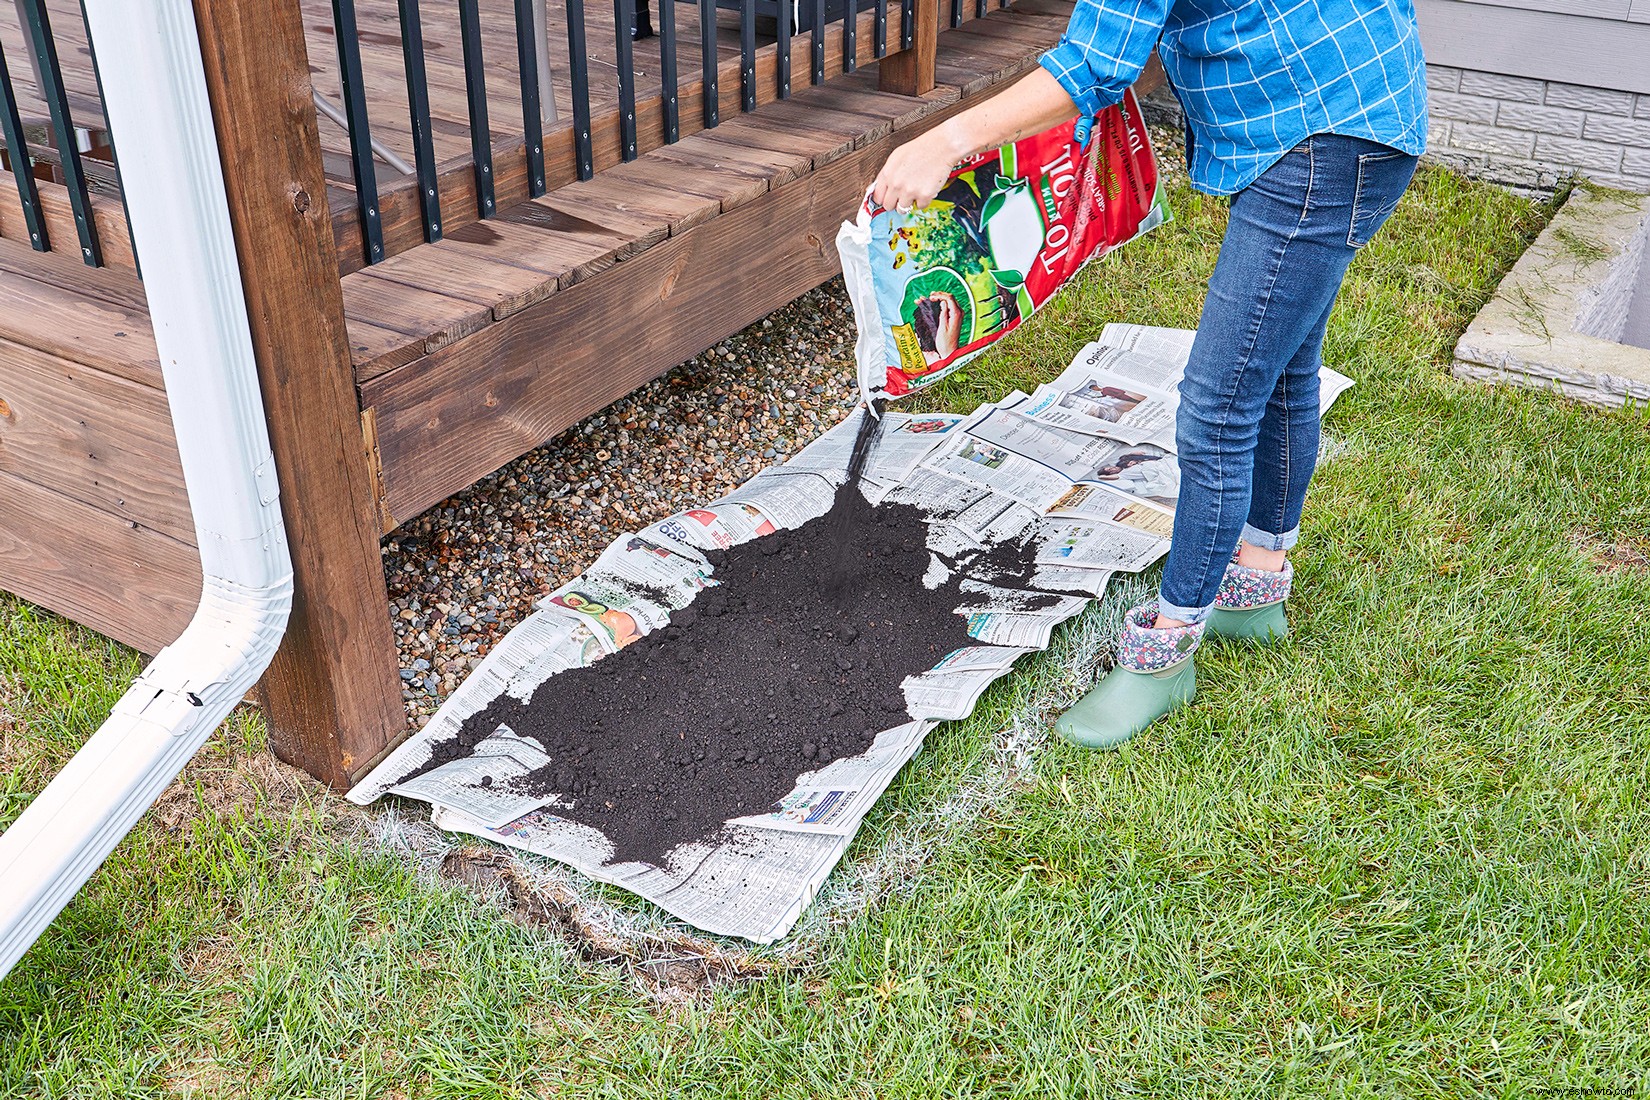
x: 469, y: 569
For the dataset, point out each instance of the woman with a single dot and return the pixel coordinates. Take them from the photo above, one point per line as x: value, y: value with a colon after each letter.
x: 1310, y: 114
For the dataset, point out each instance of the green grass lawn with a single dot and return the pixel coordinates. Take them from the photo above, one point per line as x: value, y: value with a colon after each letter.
x: 1405, y: 853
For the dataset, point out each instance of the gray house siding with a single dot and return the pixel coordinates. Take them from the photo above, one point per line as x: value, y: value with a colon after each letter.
x: 1528, y: 91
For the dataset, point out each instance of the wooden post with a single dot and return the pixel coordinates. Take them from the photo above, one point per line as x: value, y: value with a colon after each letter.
x: 911, y: 72
x: 332, y: 696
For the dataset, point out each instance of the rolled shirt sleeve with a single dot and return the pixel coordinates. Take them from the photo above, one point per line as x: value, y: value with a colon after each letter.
x: 1105, y: 47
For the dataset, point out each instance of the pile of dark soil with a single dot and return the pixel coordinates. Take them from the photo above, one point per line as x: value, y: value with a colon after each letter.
x: 795, y: 659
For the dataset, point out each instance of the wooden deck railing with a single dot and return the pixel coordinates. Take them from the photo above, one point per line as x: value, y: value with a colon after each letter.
x: 54, y: 206
x: 634, y: 107
x: 398, y: 103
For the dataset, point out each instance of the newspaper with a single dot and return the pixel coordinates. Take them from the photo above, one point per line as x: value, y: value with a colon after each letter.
x: 1037, y: 463
x: 1173, y: 346
x: 483, y: 781
x: 1056, y: 473
x: 1124, y: 395
x: 998, y: 622
x: 834, y: 799
x: 951, y: 688
x: 751, y: 883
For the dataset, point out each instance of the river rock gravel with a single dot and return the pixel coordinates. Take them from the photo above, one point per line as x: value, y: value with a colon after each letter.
x: 469, y: 569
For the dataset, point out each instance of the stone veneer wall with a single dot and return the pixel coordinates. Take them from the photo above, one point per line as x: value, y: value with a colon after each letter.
x: 1528, y: 134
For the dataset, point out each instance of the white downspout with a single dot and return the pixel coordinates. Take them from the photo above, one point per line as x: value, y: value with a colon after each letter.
x: 156, y: 101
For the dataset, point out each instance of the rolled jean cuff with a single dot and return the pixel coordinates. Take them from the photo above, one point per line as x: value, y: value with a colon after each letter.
x: 1265, y: 540
x: 1184, y: 614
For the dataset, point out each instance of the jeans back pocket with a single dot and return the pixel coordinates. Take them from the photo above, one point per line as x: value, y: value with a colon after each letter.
x: 1382, y: 178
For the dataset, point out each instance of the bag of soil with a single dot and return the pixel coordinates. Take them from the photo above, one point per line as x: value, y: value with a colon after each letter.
x: 933, y: 288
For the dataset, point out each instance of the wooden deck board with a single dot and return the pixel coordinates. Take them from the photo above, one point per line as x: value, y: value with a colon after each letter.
x: 435, y: 318
x: 374, y: 349
x: 124, y: 580
x: 583, y: 218
x: 74, y: 326
x: 472, y: 273
x: 101, y: 439
x: 548, y: 241
x: 115, y: 286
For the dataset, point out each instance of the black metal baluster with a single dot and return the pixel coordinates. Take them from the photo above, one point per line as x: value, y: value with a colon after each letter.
x: 707, y: 51
x: 360, y: 140
x: 819, y: 42
x: 18, y: 150
x: 475, y: 90
x: 747, y: 55
x: 956, y: 14
x: 783, y: 19
x: 44, y: 49
x: 980, y: 10
x: 907, y: 22
x: 532, y: 113
x: 418, y: 102
x: 578, y: 65
x: 880, y: 41
x: 668, y: 85
x: 624, y: 16
x: 850, y: 36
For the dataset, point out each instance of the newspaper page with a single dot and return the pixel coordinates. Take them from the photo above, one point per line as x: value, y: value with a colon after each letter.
x: 1037, y: 463
x: 716, y: 527
x: 670, y: 572
x: 951, y: 688
x: 788, y: 498
x: 1001, y: 623
x: 979, y: 462
x: 901, y: 441
x: 1100, y: 544
x: 1105, y: 391
x: 616, y: 608
x: 834, y: 799
x: 935, y: 493
x: 483, y: 783
x: 1172, y: 344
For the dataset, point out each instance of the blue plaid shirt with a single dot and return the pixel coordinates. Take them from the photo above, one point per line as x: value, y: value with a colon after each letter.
x: 1255, y: 77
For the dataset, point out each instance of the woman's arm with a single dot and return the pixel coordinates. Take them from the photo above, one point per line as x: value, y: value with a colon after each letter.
x: 1104, y: 49
x: 917, y: 170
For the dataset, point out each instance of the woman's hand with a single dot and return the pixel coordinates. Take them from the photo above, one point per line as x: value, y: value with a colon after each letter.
x: 915, y: 172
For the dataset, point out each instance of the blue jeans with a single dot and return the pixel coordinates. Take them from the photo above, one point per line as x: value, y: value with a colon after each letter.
x: 1248, y: 422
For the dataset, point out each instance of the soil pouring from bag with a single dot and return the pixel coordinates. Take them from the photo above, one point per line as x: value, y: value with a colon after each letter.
x: 793, y: 660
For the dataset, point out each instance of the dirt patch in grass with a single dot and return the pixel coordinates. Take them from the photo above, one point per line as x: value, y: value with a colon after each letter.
x: 669, y: 966
x: 1613, y: 556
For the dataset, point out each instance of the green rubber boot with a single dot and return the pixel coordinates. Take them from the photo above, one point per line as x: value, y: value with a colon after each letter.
x: 1251, y: 624
x: 1126, y: 702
